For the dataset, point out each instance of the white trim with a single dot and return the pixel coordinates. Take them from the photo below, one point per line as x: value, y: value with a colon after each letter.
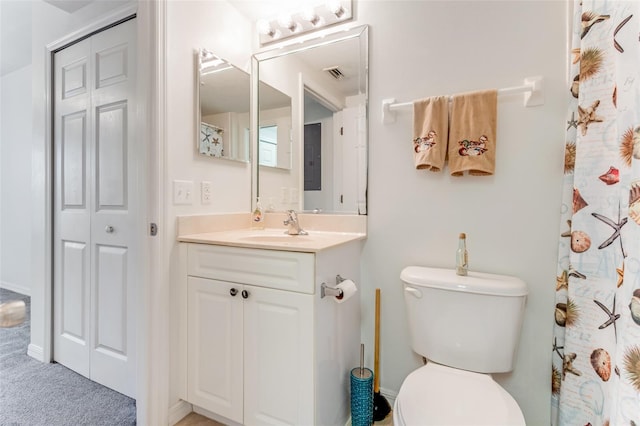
x: 47, y: 317
x: 179, y: 411
x: 36, y: 352
x: 97, y: 25
x: 155, y: 303
x: 17, y: 288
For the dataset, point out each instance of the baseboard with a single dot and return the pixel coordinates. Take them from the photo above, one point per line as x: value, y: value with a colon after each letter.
x: 390, y: 395
x: 214, y: 416
x: 179, y: 411
x: 36, y: 352
x: 16, y: 287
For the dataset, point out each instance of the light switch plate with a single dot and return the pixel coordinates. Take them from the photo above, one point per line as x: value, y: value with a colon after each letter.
x: 182, y: 192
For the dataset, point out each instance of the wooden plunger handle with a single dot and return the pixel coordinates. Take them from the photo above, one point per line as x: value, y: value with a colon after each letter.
x: 376, y: 350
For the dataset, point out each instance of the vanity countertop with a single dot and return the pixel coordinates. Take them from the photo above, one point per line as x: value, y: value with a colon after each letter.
x: 274, y: 239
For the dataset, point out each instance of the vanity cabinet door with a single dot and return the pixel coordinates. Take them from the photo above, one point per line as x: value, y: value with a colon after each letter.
x: 278, y: 357
x: 215, y: 346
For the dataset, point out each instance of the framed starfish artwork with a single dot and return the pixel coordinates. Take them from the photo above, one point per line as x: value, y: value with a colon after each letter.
x: 211, y: 140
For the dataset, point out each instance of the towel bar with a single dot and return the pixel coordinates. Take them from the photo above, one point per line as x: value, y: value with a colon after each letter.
x: 532, y: 90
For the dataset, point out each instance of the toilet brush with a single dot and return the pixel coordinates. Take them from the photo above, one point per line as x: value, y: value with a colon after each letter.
x: 381, y: 407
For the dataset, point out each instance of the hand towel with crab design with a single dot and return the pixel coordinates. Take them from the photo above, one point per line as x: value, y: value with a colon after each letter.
x: 472, y: 136
x: 430, y: 127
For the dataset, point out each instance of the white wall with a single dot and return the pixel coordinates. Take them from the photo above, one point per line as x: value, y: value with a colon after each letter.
x: 419, y: 49
x: 15, y: 181
x: 191, y: 25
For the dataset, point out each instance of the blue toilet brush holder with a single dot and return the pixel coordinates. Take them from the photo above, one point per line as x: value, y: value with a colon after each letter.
x: 361, y: 394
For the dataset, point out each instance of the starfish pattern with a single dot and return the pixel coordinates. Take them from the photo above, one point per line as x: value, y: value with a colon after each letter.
x: 615, y: 32
x: 617, y: 227
x: 588, y: 116
x: 562, y: 281
x: 573, y: 122
x: 557, y: 348
x: 613, y: 317
x: 567, y: 365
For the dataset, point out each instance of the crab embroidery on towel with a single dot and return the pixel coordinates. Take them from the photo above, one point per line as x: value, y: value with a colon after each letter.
x: 425, y: 143
x: 473, y: 148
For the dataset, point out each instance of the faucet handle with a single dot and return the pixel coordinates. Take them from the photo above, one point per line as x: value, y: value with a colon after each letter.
x: 292, y: 217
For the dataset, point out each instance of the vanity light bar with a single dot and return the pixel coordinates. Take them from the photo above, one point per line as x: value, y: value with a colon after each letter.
x: 311, y: 19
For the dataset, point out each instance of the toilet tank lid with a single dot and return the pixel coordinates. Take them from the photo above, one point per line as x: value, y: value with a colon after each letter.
x: 475, y: 282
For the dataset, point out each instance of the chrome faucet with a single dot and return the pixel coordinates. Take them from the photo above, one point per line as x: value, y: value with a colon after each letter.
x: 294, y: 225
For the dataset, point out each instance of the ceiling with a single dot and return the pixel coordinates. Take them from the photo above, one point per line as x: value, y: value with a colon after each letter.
x: 16, y: 28
x: 266, y: 9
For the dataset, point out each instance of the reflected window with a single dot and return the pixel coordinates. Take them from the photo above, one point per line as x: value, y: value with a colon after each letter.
x: 268, y: 146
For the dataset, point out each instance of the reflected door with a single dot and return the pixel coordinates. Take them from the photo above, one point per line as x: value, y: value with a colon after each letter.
x: 95, y: 208
x: 312, y: 157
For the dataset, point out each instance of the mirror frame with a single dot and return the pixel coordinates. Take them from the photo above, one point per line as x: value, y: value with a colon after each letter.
x: 198, y: 115
x: 299, y: 44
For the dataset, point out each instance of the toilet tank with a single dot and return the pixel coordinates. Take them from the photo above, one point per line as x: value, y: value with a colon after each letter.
x: 468, y: 322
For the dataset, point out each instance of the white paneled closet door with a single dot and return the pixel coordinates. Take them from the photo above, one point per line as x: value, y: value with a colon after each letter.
x: 95, y: 208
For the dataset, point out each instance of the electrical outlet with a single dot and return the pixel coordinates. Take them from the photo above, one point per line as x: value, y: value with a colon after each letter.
x: 205, y: 192
x: 182, y: 192
x: 293, y: 195
x: 284, y: 195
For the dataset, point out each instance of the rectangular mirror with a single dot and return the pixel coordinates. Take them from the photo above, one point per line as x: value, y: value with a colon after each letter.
x: 326, y: 81
x: 223, y: 108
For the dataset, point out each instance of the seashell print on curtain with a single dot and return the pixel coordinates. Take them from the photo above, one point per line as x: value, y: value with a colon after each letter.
x: 595, y: 373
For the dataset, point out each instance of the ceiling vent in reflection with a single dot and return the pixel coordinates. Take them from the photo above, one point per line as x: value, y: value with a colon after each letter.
x: 334, y: 72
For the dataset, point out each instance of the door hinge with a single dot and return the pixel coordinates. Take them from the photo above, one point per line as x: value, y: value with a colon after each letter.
x: 153, y: 229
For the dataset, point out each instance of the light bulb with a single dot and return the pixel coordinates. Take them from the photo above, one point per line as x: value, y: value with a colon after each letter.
x: 336, y: 8
x: 286, y: 21
x: 264, y: 27
x: 311, y: 16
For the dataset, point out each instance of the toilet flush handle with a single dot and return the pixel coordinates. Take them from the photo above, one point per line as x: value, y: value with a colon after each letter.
x: 414, y: 292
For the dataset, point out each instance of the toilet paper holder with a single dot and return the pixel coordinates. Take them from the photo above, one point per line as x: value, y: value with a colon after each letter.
x: 325, y: 290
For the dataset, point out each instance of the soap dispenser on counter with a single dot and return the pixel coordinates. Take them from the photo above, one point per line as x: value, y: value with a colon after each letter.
x: 257, y: 217
x: 462, y: 257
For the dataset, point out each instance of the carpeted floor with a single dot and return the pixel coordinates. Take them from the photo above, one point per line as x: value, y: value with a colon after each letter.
x: 34, y: 393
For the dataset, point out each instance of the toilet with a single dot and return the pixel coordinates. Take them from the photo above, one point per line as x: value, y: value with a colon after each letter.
x: 467, y: 327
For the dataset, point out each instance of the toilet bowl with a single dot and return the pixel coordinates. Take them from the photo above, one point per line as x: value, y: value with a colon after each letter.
x: 440, y: 395
x: 467, y: 327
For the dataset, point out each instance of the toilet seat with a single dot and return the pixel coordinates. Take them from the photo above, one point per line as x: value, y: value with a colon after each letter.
x: 440, y: 395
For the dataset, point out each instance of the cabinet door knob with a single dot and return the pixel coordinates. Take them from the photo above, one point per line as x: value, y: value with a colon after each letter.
x: 245, y: 294
x: 233, y: 291
x: 109, y: 229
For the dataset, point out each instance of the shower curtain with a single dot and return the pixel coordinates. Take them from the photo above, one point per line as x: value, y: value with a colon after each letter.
x: 596, y: 345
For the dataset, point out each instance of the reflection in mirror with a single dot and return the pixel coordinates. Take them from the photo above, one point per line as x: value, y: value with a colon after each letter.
x: 223, y: 99
x: 274, y: 134
x: 326, y: 80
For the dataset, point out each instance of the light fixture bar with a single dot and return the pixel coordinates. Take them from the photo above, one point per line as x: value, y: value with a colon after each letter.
x: 311, y: 19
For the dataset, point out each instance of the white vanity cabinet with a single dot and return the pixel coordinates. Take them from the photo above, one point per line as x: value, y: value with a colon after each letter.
x: 262, y: 347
